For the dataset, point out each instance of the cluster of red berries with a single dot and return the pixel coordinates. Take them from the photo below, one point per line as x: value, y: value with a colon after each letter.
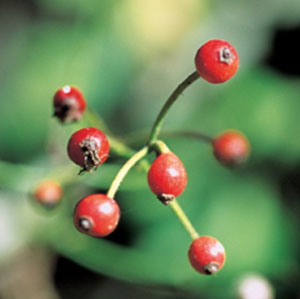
x: 98, y: 214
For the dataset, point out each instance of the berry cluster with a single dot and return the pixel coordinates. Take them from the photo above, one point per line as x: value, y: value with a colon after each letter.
x: 98, y: 214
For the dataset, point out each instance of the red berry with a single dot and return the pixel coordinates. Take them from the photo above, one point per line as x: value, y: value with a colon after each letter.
x: 88, y: 147
x: 206, y: 255
x: 167, y: 177
x: 216, y: 61
x: 48, y: 193
x: 69, y: 104
x: 96, y: 215
x: 231, y: 148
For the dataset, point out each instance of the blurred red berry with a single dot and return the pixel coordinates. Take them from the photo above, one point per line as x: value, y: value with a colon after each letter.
x: 206, y: 255
x: 88, y: 147
x: 167, y: 177
x: 48, y: 193
x: 96, y: 215
x: 231, y: 148
x: 216, y: 61
x: 69, y: 104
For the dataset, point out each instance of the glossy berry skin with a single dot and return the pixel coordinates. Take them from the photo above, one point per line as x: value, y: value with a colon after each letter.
x: 96, y: 215
x: 69, y: 104
x: 88, y: 147
x: 48, y: 193
x: 206, y: 255
x: 231, y: 148
x: 216, y: 61
x: 167, y: 177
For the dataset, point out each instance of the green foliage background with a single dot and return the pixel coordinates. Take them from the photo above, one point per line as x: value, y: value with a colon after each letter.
x: 127, y: 56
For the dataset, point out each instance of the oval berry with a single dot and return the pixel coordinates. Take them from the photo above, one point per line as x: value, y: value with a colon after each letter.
x: 88, y: 147
x: 48, y: 193
x: 167, y: 177
x: 96, y: 215
x: 231, y: 148
x: 69, y: 104
x: 216, y: 61
x: 206, y: 255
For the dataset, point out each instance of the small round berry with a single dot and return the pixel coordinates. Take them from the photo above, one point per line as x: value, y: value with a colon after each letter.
x: 69, y: 104
x: 216, y: 61
x: 206, y: 255
x: 88, y: 148
x: 231, y: 148
x: 48, y: 193
x: 96, y: 215
x: 167, y: 177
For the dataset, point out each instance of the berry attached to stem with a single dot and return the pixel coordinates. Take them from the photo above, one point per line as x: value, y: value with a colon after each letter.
x: 88, y: 148
x: 69, y: 104
x: 206, y: 255
x: 231, y: 148
x: 216, y: 61
x: 96, y: 215
x: 167, y: 177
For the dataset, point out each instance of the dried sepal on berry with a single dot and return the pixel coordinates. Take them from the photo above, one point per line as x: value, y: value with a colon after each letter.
x: 88, y: 148
x: 69, y: 104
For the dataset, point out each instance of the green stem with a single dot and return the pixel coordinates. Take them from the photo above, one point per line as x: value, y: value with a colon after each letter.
x: 116, y: 146
x: 123, y: 150
x: 141, y: 137
x: 160, y: 147
x: 189, y: 134
x: 94, y: 120
x: 173, y: 97
x: 174, y: 205
x: 124, y: 170
x: 120, y: 149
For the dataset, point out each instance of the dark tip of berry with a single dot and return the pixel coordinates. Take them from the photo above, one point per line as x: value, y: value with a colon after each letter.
x: 226, y: 55
x: 84, y: 224
x: 67, y: 111
x: 166, y: 198
x: 237, y: 162
x: 90, y: 150
x: 50, y: 204
x: 211, y: 268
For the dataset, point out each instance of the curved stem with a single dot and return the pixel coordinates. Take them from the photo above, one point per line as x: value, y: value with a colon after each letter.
x: 160, y: 147
x: 174, y: 205
x: 124, y: 170
x: 140, y: 137
x: 190, y: 134
x: 93, y: 119
x: 120, y: 149
x: 152, y: 143
x: 173, y: 97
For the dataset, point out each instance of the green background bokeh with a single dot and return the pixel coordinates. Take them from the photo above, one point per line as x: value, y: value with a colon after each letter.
x: 127, y: 56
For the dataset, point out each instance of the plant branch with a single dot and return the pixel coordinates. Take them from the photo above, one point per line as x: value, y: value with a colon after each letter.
x: 172, y: 98
x: 174, y: 205
x: 124, y: 170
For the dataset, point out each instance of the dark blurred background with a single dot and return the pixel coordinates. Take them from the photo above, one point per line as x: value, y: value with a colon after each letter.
x: 127, y: 56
